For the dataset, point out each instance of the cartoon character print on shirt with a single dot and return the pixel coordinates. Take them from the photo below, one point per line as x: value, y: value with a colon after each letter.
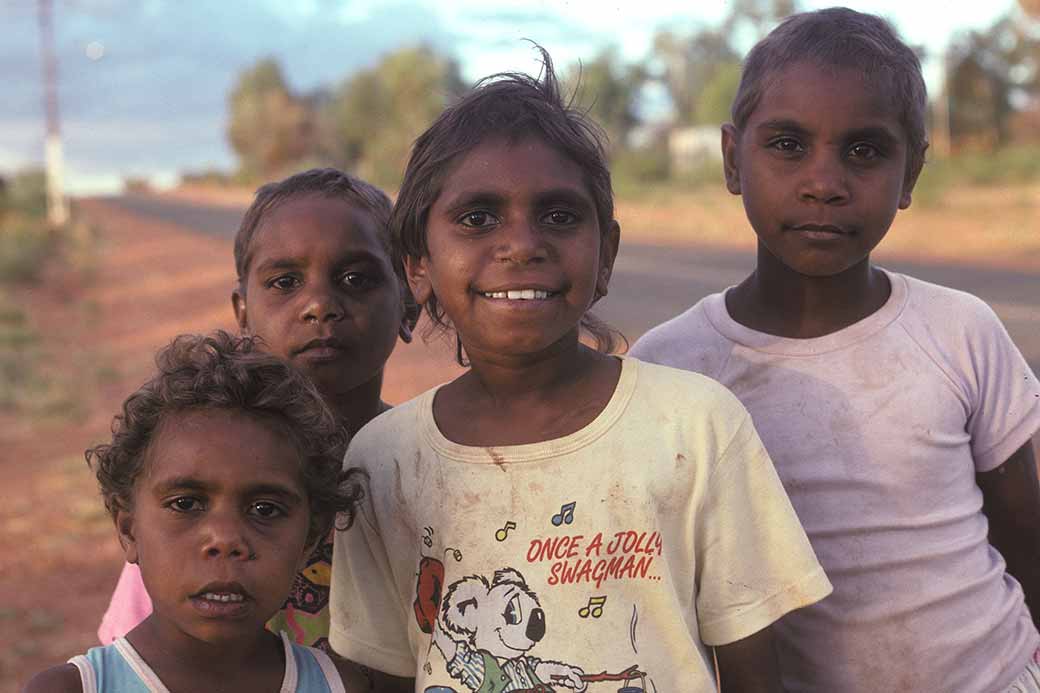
x: 486, y: 630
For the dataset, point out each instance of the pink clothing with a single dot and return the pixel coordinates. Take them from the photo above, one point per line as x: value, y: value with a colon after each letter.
x: 129, y: 606
x: 877, y: 432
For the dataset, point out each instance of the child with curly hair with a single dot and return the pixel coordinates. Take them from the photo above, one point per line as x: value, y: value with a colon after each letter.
x: 222, y: 474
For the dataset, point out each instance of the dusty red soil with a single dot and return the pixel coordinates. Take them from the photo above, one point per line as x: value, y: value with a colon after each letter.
x: 148, y: 282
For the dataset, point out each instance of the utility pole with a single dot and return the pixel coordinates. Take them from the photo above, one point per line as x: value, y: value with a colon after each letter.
x: 57, y: 206
x: 942, y: 144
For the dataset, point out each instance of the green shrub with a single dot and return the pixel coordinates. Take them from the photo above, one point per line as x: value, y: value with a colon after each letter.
x: 25, y: 248
x: 27, y: 192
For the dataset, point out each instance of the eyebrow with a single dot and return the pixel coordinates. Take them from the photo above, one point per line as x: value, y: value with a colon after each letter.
x: 870, y: 132
x: 783, y: 125
x: 491, y: 198
x: 280, y: 263
x: 188, y: 483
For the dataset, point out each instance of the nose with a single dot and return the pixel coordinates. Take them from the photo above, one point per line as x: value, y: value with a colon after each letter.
x: 824, y: 180
x: 522, y: 242
x: 322, y: 304
x: 536, y: 626
x: 224, y: 536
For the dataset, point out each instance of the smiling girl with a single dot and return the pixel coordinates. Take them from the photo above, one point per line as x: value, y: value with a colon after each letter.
x: 505, y: 229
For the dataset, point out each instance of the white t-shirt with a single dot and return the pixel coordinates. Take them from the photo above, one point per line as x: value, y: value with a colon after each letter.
x: 877, y: 432
x: 628, y: 546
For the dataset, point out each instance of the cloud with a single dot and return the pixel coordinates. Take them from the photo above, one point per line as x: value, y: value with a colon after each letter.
x: 157, y: 99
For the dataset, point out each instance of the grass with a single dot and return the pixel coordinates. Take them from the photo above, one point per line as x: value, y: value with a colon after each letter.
x: 25, y: 248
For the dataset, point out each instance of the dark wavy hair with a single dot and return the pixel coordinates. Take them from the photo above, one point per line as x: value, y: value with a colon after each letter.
x: 226, y: 372
x: 511, y: 105
x: 840, y: 37
x: 326, y: 182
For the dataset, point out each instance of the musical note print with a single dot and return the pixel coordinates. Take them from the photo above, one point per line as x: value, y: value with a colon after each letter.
x: 455, y: 553
x: 566, y: 514
x: 428, y: 538
x: 503, y: 532
x: 593, y: 608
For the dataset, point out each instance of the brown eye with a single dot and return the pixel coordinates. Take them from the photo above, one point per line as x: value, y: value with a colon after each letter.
x: 786, y: 145
x: 864, y: 151
x: 357, y: 280
x: 477, y: 220
x: 284, y: 283
x: 185, y: 504
x: 266, y: 510
x: 560, y: 217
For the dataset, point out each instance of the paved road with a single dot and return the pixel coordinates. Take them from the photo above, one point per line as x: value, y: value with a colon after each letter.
x: 654, y: 283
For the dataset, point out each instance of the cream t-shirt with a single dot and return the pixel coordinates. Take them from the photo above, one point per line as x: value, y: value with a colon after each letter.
x: 877, y: 431
x: 618, y: 552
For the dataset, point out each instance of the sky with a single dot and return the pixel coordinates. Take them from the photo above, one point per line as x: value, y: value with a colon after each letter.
x: 143, y: 84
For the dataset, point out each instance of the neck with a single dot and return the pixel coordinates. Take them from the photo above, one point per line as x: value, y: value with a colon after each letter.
x: 172, y: 653
x: 359, y: 405
x: 501, y: 377
x: 777, y: 300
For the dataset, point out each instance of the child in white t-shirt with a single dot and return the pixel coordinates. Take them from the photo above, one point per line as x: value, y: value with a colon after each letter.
x: 557, y: 517
x: 898, y: 413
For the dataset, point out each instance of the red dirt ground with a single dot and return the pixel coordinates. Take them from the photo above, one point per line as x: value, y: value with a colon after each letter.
x: 149, y: 282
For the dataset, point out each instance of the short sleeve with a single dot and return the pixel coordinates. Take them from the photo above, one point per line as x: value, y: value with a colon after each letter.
x: 1005, y: 406
x: 754, y: 562
x: 367, y: 623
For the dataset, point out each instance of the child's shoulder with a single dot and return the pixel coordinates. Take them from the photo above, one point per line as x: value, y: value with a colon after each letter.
x: 943, y: 313
x: 690, y: 340
x: 63, y: 678
x: 677, y: 389
x: 394, y: 424
x: 936, y: 298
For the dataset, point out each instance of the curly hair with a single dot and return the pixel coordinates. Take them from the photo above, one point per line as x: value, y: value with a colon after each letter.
x: 226, y: 372
x: 325, y: 182
x: 511, y: 105
x: 840, y: 37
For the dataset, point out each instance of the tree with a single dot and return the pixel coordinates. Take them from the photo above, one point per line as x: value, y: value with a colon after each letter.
x: 713, y: 105
x: 708, y: 57
x: 377, y: 113
x: 269, y: 127
x: 992, y: 73
x: 689, y: 64
x: 609, y: 90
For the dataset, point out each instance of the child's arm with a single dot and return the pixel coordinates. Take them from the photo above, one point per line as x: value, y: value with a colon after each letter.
x: 63, y: 678
x: 749, y: 665
x: 358, y: 678
x: 1011, y: 503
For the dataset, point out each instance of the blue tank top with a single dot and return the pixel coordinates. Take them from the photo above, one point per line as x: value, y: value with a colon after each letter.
x: 117, y: 668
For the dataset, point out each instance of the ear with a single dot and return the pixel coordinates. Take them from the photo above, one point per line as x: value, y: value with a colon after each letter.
x: 417, y: 272
x: 731, y: 157
x: 508, y: 575
x: 910, y: 181
x: 607, y: 254
x: 124, y: 521
x: 238, y: 304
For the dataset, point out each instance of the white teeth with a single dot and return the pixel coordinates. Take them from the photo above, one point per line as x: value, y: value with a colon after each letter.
x: 223, y: 597
x: 519, y: 294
